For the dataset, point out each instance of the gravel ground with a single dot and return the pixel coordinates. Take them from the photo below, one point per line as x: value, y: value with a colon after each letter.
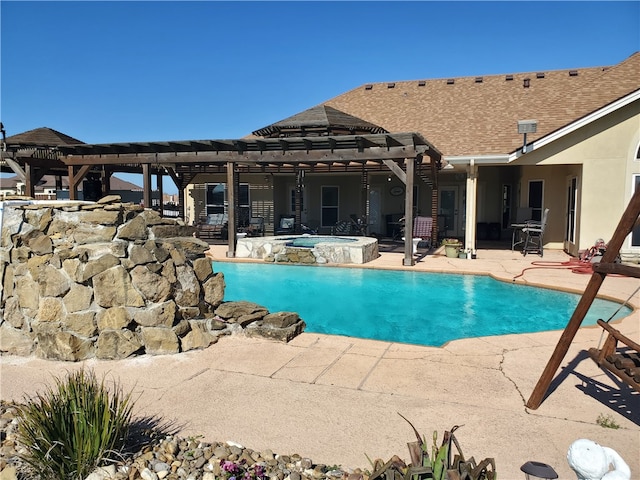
x: 159, y: 454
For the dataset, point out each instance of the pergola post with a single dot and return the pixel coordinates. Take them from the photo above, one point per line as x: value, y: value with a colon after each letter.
x: 146, y: 185
x: 298, y: 200
x: 75, y: 179
x: 408, y: 213
x: 105, y: 184
x: 366, y: 201
x: 231, y: 202
x: 160, y: 191
x: 178, y: 182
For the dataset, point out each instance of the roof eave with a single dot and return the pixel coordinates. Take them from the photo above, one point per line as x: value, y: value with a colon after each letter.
x: 493, y: 159
x: 578, y: 124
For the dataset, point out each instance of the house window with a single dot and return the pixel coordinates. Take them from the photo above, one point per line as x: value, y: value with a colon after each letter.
x: 536, y: 189
x: 217, y: 201
x: 216, y: 198
x: 329, y: 208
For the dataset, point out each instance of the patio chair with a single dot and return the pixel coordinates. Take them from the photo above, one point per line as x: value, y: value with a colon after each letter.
x: 358, y: 224
x: 212, y: 226
x: 341, y: 228
x: 523, y: 217
x: 533, y: 235
x: 422, y: 229
x: 287, y: 225
x: 256, y: 227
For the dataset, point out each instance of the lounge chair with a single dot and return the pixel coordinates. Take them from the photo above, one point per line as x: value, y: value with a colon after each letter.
x: 256, y: 227
x: 358, y: 224
x: 341, y: 228
x: 212, y: 226
x: 287, y: 225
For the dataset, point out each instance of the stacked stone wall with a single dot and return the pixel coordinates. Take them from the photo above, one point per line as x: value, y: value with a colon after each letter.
x: 110, y: 280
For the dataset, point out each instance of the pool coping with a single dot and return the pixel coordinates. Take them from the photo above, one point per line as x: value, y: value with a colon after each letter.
x: 276, y: 248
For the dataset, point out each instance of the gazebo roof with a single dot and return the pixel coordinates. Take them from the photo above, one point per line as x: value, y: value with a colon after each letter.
x: 41, y: 137
x: 318, y: 121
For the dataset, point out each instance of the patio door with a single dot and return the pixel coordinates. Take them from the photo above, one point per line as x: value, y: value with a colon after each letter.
x: 571, y: 215
x: 449, y: 211
x: 635, y: 233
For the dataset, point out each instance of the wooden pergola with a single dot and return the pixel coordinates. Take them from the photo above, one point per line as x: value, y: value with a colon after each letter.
x: 406, y: 155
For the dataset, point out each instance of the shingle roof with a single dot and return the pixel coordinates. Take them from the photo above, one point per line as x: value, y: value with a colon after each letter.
x: 479, y: 115
x: 319, y: 120
x: 44, y: 136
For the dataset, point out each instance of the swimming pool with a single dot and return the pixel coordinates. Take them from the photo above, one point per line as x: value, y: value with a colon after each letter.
x: 404, y: 306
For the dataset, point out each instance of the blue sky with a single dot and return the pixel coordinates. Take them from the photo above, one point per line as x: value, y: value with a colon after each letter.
x: 142, y: 71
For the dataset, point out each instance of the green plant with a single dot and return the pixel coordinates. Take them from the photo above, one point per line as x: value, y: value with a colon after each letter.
x: 607, y: 422
x: 451, y: 241
x: 73, y: 427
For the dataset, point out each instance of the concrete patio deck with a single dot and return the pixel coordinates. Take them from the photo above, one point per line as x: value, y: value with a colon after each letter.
x: 335, y: 399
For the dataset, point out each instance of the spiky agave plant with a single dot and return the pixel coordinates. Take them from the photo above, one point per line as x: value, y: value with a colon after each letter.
x: 73, y: 427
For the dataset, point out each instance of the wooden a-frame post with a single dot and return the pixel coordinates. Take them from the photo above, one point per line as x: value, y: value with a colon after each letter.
x: 626, y: 224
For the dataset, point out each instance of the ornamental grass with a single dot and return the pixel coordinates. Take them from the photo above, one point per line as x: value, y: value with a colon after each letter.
x: 74, y: 426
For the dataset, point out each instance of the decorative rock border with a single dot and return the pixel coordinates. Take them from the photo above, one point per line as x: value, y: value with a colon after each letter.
x: 110, y: 280
x: 326, y: 249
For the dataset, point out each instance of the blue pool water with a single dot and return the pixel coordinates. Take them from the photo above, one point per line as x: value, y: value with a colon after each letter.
x: 310, y: 242
x: 404, y: 306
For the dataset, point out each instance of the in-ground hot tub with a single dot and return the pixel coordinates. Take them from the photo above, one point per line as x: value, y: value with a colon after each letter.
x: 308, y: 249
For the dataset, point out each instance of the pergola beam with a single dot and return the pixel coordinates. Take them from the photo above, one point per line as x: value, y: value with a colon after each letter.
x: 253, y: 157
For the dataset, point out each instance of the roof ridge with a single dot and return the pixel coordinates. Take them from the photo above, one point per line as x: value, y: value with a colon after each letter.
x: 493, y: 75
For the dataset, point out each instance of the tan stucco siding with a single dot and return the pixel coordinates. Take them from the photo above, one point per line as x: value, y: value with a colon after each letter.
x: 605, y: 149
x: 554, y: 178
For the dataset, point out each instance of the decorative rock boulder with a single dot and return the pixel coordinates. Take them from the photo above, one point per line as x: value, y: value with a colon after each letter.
x: 110, y: 280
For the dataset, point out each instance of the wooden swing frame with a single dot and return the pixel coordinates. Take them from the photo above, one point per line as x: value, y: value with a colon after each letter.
x: 605, y: 267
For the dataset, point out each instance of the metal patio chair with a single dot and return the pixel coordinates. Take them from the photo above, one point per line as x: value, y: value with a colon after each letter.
x: 533, y: 235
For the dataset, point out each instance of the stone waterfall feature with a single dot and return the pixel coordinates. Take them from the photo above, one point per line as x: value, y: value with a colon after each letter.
x: 110, y: 280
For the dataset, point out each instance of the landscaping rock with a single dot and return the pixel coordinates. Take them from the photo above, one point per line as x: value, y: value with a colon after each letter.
x: 112, y: 280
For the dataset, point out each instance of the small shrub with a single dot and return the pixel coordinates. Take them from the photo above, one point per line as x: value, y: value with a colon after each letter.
x: 72, y: 428
x: 607, y: 422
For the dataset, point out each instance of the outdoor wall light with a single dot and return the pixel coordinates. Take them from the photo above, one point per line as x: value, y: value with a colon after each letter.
x: 533, y: 470
x: 388, y: 178
x: 524, y: 127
